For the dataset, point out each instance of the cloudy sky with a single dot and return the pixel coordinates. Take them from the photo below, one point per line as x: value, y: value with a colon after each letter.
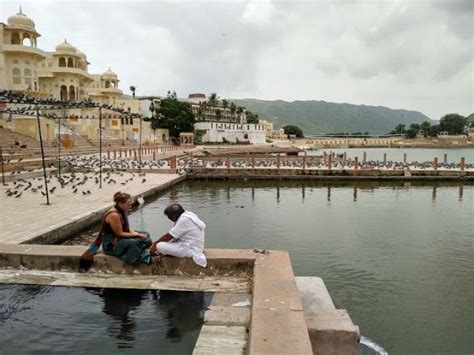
x: 410, y: 54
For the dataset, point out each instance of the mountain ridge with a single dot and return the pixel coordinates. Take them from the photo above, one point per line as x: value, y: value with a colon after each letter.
x: 322, y: 117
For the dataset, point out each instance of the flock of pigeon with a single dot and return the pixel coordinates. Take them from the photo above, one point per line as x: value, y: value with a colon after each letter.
x: 343, y: 164
x: 75, y: 183
x: 93, y: 162
x: 27, y: 105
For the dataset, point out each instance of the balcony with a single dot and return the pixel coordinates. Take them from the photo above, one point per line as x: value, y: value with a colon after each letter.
x: 18, y: 48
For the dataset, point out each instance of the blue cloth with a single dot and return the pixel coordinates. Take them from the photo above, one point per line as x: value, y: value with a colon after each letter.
x: 131, y: 250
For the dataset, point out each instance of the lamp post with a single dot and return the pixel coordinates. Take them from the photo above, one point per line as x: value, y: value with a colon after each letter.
x: 1, y: 159
x: 42, y: 154
x: 122, y: 121
x: 100, y: 146
x: 152, y: 110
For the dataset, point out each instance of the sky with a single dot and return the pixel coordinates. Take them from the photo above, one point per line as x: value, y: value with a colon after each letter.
x: 414, y: 54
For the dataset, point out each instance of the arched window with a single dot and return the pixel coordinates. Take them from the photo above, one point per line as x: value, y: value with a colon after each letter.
x: 107, y: 84
x: 72, y: 93
x: 70, y: 63
x: 62, y: 61
x: 27, y: 41
x: 16, y: 76
x: 63, y: 92
x: 27, y: 73
x: 15, y: 38
x: 163, y: 138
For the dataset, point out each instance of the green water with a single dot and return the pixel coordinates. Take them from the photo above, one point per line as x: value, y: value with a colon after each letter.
x: 399, y: 257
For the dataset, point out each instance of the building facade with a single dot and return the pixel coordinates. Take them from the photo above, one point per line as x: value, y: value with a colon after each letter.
x: 63, y: 74
x: 222, y: 124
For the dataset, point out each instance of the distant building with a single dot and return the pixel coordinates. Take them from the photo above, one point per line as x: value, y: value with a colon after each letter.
x: 219, y: 124
x: 268, y: 128
x: 63, y: 74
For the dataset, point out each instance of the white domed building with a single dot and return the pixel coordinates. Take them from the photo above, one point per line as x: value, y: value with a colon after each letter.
x: 61, y: 74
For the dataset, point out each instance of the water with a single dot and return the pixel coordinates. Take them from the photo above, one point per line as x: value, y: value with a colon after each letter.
x: 398, y: 256
x: 44, y: 319
x: 396, y: 154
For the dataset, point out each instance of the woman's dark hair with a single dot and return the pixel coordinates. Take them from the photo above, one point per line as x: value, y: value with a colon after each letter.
x: 121, y: 197
x: 173, y: 211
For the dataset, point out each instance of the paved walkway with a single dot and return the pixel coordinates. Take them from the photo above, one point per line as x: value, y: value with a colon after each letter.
x: 28, y: 216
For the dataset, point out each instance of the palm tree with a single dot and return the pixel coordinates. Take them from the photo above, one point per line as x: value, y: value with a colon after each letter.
x: 233, y: 108
x: 225, y: 103
x: 213, y: 99
x: 133, y: 89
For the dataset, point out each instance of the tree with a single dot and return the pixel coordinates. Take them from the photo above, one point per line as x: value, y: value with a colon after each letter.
x: 213, y: 99
x: 425, y: 127
x: 133, y: 89
x: 225, y: 103
x: 291, y: 129
x: 453, y: 123
x: 175, y: 115
x: 252, y: 118
x: 399, y: 129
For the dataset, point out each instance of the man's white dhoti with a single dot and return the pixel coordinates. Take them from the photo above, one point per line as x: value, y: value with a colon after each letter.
x: 188, y: 239
x: 175, y: 249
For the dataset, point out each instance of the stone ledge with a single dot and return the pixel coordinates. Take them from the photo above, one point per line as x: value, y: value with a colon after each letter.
x: 221, y: 262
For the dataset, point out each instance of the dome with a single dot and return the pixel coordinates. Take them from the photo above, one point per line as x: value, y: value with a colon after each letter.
x: 81, y: 54
x: 65, y: 47
x: 20, y: 20
x: 109, y: 74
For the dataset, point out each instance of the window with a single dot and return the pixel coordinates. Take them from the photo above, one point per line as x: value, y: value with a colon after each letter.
x: 27, y: 73
x: 16, y: 76
x: 62, y: 62
x: 15, y: 38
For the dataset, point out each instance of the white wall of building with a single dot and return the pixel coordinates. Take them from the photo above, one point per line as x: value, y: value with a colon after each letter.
x: 216, y: 131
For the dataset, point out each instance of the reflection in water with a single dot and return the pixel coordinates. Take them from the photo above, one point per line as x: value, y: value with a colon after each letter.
x: 278, y: 194
x: 119, y: 309
x: 184, y: 313
x: 433, y: 194
x: 354, y: 193
x: 461, y: 192
x: 303, y: 193
x: 329, y: 194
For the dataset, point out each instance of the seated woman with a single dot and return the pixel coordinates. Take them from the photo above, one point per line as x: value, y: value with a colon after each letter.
x: 117, y: 238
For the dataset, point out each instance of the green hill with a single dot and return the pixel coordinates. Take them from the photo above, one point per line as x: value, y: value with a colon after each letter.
x: 319, y: 117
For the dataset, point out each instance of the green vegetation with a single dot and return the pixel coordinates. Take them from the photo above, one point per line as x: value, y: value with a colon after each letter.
x: 320, y: 117
x: 293, y: 130
x: 451, y: 123
x: 175, y: 115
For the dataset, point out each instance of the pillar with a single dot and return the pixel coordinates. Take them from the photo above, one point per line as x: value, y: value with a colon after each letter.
x: 345, y: 156
x: 134, y: 154
x: 227, y: 162
x: 435, y: 163
x: 115, y: 154
x: 253, y: 161
x: 108, y: 154
x: 120, y: 153
x: 154, y: 154
x: 356, y: 163
x: 463, y: 163
x: 329, y: 162
x: 384, y: 158
x: 445, y: 158
x: 404, y: 157
x: 278, y: 161
x: 365, y: 157
x: 173, y: 162
x: 304, y: 160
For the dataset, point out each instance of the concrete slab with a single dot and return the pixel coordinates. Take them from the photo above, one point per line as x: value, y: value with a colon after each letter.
x: 314, y: 294
x: 229, y: 298
x: 151, y: 282
x: 277, y: 325
x: 28, y: 219
x: 220, y: 339
x: 332, y: 332
x: 227, y: 315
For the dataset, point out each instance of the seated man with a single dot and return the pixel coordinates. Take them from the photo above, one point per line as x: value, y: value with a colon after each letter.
x: 185, y: 239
